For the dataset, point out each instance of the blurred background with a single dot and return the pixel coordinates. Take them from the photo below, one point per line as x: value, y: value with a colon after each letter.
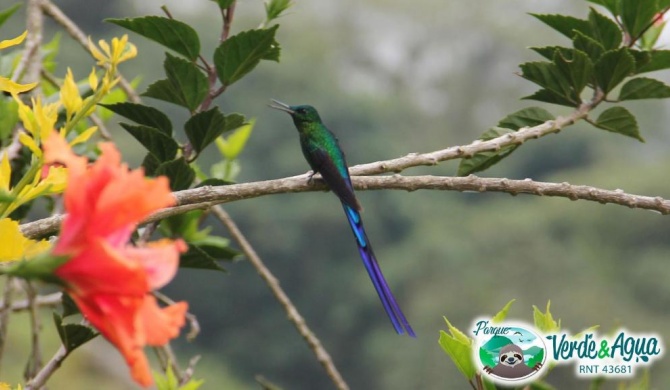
x: 389, y: 78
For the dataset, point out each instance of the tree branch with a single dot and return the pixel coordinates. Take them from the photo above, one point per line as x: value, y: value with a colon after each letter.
x: 294, y: 316
x: 207, y: 196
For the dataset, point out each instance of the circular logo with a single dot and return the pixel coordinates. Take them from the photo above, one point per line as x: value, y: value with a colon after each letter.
x: 515, y: 355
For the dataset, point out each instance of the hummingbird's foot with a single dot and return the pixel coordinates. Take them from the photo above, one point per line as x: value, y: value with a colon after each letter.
x: 310, y: 179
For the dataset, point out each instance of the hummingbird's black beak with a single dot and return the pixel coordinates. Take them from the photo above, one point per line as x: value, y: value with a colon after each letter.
x: 277, y: 105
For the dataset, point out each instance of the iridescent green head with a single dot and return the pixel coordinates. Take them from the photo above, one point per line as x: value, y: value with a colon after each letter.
x: 301, y: 115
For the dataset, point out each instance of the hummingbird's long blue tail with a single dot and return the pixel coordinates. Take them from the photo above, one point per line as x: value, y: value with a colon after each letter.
x: 370, y: 261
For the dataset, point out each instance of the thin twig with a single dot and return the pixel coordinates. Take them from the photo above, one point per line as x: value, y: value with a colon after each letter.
x: 75, y: 32
x: 167, y: 358
x: 293, y: 315
x: 4, y: 313
x: 45, y: 373
x: 50, y: 300
x: 35, y: 362
x: 30, y: 63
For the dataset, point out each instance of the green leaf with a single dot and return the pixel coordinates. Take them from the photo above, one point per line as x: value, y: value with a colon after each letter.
x: 72, y: 335
x: 527, y: 117
x: 69, y: 307
x: 50, y: 52
x: 9, y: 117
x: 641, y: 57
x: 576, y: 67
x: 644, y: 88
x: 637, y: 15
x: 180, y: 174
x: 613, y: 67
x: 186, y: 85
x: 8, y: 12
x: 544, y: 322
x: 163, y: 147
x: 223, y: 4
x: 150, y: 164
x: 232, y: 146
x: 239, y: 54
x: 588, y: 45
x: 165, y: 91
x: 565, y: 24
x: 199, y: 259
x: 173, y: 34
x: 218, y: 248
x: 484, y: 160
x: 6, y: 197
x: 459, y: 348
x: 549, y: 76
x: 614, y: 6
x: 185, y: 225
x: 204, y: 127
x: 604, y: 30
x: 659, y: 59
x: 143, y: 115
x: 274, y: 8
x: 502, y: 314
x: 547, y: 96
x: 619, y: 120
x: 548, y: 51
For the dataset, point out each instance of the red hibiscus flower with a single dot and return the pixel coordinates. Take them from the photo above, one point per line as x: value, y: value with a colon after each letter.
x: 109, y: 280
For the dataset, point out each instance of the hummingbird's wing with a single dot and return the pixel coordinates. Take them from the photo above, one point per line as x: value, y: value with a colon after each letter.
x: 337, y: 179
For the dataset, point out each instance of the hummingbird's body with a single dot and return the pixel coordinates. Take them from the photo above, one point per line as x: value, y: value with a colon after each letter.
x: 324, y: 155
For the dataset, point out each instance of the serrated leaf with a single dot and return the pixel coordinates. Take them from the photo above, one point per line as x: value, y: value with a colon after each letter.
x: 274, y: 8
x: 150, y: 164
x: 659, y: 59
x: 72, y: 335
x: 642, y: 58
x: 612, y: 5
x: 576, y: 67
x: 527, y: 117
x: 199, y: 259
x: 143, y: 115
x: 644, y: 88
x: 187, y: 80
x: 164, y: 148
x: 637, y: 15
x: 548, y: 76
x: 588, y: 45
x: 604, y: 30
x: 544, y: 95
x: 204, y: 127
x: 565, y: 24
x: 502, y: 314
x: 173, y: 34
x: 459, y: 348
x: 484, y: 160
x: 239, y: 54
x: 544, y: 322
x: 613, y: 67
x: 180, y: 174
x: 619, y: 120
x: 69, y: 307
x: 165, y: 91
x: 548, y: 51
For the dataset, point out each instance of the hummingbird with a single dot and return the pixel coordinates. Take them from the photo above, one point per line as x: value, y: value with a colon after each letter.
x: 324, y: 155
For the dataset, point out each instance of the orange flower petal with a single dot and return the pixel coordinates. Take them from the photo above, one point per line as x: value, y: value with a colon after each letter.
x: 161, y: 325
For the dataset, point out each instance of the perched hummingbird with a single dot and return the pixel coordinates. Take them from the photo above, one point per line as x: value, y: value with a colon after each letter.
x: 323, y: 153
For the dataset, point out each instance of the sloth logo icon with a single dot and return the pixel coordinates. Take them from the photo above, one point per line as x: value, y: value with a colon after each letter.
x: 508, y: 353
